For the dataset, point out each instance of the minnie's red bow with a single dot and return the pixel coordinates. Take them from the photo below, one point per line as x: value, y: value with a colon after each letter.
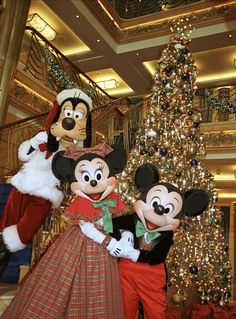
x: 76, y: 152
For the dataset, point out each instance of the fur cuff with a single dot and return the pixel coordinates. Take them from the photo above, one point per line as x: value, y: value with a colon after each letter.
x: 11, y: 239
x: 23, y: 151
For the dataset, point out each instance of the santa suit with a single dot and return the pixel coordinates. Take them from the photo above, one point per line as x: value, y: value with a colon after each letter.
x: 34, y: 193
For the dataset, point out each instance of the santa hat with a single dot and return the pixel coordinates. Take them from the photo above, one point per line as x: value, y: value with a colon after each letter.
x: 51, y: 115
x: 74, y: 93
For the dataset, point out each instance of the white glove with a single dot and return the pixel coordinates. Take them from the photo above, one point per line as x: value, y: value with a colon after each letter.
x: 115, y: 247
x: 90, y: 231
x: 128, y: 237
x: 124, y: 247
x: 40, y: 138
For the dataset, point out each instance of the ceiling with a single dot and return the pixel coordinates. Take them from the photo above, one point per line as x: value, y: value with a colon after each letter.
x: 105, y: 46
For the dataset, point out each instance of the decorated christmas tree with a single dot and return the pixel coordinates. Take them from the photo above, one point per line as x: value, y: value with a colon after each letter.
x: 171, y: 139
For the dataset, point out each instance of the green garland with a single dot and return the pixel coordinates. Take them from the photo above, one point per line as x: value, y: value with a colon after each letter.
x: 55, y: 74
x: 227, y: 107
x: 61, y: 79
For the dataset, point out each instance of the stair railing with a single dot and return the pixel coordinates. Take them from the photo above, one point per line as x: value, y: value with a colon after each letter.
x: 47, y: 64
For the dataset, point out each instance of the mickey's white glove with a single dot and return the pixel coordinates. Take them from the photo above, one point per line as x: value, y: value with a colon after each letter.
x: 40, y: 138
x: 115, y: 247
x: 128, y: 238
x: 124, y: 247
x: 90, y: 231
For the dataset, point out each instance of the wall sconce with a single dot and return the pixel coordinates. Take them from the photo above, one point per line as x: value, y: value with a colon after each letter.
x: 35, y: 21
x: 108, y: 84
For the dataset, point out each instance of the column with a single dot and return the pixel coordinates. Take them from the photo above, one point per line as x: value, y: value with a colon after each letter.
x: 13, y: 18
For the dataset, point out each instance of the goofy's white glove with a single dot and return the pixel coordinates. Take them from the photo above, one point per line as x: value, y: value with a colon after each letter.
x: 125, y: 247
x: 38, y: 139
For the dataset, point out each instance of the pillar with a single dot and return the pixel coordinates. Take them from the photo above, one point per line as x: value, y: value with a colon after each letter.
x: 13, y: 18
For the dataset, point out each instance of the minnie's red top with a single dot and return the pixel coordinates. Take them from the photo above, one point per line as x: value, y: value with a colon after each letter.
x: 83, y: 209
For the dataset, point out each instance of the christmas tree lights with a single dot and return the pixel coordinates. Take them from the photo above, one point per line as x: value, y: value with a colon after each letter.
x: 171, y: 139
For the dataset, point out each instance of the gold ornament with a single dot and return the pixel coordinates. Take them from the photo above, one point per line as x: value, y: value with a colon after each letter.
x: 178, y: 298
x: 124, y: 186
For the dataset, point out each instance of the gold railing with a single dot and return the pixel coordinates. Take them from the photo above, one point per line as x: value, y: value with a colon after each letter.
x: 11, y: 136
x: 114, y: 122
x: 216, y: 104
x: 48, y: 65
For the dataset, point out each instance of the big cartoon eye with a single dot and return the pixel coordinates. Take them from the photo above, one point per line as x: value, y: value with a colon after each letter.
x: 169, y: 209
x: 85, y: 177
x: 155, y: 201
x: 98, y: 175
x: 68, y: 113
x: 78, y: 115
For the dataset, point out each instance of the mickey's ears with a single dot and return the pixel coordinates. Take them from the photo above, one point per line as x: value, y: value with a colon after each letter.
x: 196, y: 202
x: 146, y: 175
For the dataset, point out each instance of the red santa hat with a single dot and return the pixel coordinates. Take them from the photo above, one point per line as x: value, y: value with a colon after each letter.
x: 51, y: 115
x: 61, y: 97
x: 74, y: 93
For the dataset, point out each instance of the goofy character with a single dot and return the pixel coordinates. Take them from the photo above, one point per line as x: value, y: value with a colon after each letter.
x: 35, y: 188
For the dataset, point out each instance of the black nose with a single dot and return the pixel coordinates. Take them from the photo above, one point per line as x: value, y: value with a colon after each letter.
x: 159, y: 209
x: 93, y: 182
x: 68, y: 123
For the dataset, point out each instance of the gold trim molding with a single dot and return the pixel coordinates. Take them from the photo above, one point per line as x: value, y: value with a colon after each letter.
x: 200, y: 14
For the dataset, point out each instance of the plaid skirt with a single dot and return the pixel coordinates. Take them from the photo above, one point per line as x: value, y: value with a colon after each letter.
x: 75, y: 279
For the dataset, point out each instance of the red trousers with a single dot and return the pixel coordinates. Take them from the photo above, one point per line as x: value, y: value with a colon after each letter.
x: 145, y: 283
x: 26, y: 211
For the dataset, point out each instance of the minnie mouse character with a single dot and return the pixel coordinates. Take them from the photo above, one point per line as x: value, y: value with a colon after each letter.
x: 35, y: 188
x: 158, y: 214
x: 77, y: 277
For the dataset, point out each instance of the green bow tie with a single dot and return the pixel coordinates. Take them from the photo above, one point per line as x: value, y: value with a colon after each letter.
x: 107, y: 217
x: 141, y: 230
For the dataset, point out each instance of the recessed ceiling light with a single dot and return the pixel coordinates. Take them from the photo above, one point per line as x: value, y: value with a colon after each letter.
x: 137, y: 53
x: 77, y: 16
x: 98, y: 40
x: 108, y: 84
x: 230, y: 35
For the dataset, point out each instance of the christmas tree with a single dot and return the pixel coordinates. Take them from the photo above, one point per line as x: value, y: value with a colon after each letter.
x: 170, y: 138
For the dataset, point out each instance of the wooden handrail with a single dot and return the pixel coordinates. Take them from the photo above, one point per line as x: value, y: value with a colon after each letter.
x: 67, y: 60
x: 9, y: 125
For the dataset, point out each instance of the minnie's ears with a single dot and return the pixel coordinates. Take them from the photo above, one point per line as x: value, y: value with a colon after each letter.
x: 62, y: 167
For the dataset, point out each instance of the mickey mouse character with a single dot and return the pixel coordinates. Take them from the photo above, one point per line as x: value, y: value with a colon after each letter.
x: 35, y: 188
x: 79, y: 276
x: 158, y: 214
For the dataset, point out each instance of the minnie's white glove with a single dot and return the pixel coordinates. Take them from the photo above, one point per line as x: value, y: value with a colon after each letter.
x: 39, y: 138
x: 90, y: 231
x: 124, y: 247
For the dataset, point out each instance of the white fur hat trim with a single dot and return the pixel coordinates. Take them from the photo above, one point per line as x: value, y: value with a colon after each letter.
x: 73, y: 93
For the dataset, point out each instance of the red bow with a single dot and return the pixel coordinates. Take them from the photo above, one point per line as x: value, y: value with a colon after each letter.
x: 76, y: 152
x: 43, y: 148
